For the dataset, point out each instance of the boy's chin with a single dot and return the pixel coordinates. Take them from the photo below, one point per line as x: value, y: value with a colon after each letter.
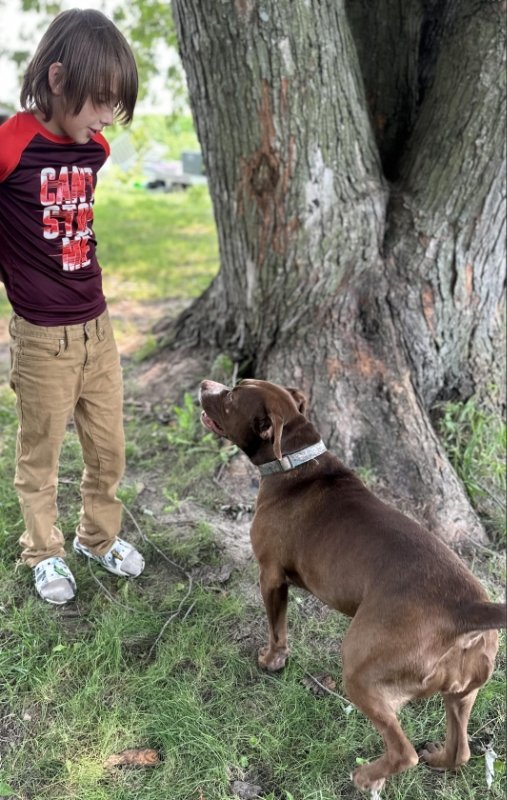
x: 83, y: 139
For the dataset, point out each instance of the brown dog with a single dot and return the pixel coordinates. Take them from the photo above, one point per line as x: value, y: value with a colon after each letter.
x: 421, y: 624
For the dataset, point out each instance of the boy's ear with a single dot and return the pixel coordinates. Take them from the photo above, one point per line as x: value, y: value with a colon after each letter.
x: 55, y: 78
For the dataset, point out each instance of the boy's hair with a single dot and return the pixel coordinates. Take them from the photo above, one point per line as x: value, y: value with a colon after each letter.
x: 97, y: 64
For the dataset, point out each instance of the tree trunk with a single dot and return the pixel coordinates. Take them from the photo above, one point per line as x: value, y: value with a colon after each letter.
x: 354, y: 154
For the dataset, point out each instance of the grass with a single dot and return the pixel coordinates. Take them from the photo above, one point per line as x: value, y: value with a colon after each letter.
x: 164, y: 247
x: 82, y: 683
x: 476, y: 442
x: 107, y: 673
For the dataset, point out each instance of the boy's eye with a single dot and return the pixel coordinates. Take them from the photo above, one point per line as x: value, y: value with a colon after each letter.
x: 109, y: 100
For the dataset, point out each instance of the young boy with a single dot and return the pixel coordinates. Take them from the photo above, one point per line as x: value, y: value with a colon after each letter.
x: 64, y: 357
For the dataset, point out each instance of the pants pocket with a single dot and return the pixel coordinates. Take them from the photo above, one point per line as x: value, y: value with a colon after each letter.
x: 40, y: 349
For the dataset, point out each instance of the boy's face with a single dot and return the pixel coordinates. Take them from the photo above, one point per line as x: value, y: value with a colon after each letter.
x: 81, y: 127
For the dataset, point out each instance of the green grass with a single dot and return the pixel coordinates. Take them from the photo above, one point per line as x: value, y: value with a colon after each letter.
x: 86, y: 682
x: 155, y: 246
x: 476, y: 442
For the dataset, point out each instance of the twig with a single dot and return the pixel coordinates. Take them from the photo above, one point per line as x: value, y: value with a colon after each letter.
x: 235, y: 373
x: 481, y: 546
x: 329, y: 691
x: 168, y: 622
x: 492, y: 496
x: 176, y: 613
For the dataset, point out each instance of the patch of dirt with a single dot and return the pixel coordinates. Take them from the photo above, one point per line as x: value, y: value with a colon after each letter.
x: 133, y: 320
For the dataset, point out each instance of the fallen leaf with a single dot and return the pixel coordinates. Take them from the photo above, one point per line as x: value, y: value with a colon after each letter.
x: 137, y: 757
x: 246, y: 791
x: 490, y: 757
x: 326, y: 683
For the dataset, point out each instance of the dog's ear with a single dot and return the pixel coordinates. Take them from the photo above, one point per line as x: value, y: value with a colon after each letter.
x: 271, y: 429
x: 299, y: 398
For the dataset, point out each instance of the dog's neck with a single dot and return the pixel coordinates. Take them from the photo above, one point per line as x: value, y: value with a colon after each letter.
x: 293, y: 460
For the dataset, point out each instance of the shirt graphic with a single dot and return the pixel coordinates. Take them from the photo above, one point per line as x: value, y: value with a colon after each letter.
x: 48, y: 251
x: 67, y: 197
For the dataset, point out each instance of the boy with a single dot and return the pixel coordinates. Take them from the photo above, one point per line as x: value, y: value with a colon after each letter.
x: 64, y: 357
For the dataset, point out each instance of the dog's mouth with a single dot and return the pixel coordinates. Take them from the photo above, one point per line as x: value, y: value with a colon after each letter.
x: 211, y: 424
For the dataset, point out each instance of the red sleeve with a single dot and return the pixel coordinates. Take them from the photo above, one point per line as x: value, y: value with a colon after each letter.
x: 15, y: 134
x: 102, y: 141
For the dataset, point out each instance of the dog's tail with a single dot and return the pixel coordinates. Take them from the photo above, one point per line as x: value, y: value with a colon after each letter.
x: 483, y: 616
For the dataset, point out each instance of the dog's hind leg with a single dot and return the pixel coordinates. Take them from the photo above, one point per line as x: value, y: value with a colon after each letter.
x: 368, y: 681
x: 455, y: 751
x: 380, y: 707
x: 275, y: 593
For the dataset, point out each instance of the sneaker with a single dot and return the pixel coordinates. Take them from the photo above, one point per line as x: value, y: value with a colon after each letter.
x: 54, y: 581
x: 122, y: 559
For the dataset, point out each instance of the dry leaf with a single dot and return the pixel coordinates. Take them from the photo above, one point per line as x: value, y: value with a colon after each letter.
x: 326, y: 683
x: 245, y: 791
x: 137, y: 757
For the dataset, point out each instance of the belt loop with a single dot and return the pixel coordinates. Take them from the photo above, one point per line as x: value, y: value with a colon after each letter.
x: 66, y: 337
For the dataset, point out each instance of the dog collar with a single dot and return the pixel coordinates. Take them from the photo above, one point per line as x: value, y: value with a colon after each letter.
x: 293, y: 460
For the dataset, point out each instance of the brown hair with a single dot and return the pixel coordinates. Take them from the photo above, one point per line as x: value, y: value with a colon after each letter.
x: 97, y: 64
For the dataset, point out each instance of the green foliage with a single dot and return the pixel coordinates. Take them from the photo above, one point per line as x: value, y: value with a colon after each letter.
x: 476, y: 442
x: 222, y: 369
x: 187, y: 435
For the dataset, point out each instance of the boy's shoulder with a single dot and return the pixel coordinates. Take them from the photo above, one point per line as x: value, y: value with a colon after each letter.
x: 15, y: 134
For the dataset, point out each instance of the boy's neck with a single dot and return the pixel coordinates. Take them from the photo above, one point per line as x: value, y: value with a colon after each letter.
x: 50, y: 125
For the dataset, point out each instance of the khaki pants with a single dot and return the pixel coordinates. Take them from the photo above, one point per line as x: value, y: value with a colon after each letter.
x: 58, y: 372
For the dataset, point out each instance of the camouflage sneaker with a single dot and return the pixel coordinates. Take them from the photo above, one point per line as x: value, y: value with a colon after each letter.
x: 122, y: 559
x: 54, y: 581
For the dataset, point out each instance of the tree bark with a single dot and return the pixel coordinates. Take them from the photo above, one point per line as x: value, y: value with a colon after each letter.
x: 355, y: 161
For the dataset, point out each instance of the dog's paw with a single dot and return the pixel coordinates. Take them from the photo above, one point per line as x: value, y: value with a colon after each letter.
x: 435, y: 756
x: 272, y: 660
x: 364, y: 779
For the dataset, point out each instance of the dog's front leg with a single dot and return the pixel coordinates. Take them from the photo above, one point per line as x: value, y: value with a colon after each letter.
x: 275, y: 592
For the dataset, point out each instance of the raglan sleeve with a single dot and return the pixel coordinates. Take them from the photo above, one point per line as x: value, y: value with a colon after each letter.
x: 12, y: 140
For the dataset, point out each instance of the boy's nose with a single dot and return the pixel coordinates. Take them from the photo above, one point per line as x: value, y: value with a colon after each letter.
x: 107, y: 116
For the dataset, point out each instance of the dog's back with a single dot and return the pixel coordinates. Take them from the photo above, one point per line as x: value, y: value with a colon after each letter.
x: 345, y: 545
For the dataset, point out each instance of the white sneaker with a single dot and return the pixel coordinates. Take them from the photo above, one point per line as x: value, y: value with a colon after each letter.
x: 121, y: 559
x: 54, y: 581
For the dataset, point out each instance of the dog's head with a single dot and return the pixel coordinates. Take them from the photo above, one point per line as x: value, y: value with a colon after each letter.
x: 254, y: 415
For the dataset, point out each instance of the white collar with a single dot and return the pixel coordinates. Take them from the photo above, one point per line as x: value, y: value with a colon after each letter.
x: 293, y: 460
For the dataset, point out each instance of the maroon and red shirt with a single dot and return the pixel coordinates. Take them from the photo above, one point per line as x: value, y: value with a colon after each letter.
x: 47, y: 246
